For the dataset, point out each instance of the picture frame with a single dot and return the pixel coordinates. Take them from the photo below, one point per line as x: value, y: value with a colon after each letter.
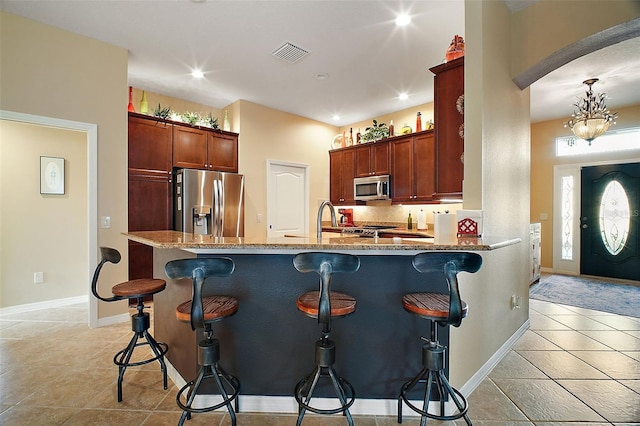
x: 51, y: 175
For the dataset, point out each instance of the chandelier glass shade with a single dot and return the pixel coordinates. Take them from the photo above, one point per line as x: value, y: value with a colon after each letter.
x: 591, y: 117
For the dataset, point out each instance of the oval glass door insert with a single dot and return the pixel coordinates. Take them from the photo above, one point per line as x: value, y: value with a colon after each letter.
x: 615, y: 216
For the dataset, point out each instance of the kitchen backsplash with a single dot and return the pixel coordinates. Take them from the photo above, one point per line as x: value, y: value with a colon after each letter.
x: 396, y: 214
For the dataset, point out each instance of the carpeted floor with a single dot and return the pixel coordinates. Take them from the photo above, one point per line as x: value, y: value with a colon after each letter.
x: 590, y: 293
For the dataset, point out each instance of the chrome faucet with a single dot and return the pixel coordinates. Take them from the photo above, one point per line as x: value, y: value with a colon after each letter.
x: 334, y: 222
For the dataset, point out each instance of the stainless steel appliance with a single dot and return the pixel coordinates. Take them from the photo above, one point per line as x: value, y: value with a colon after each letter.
x: 372, y: 188
x: 370, y: 231
x: 209, y: 203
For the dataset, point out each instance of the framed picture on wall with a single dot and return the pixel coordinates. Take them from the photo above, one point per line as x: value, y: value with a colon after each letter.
x: 51, y: 175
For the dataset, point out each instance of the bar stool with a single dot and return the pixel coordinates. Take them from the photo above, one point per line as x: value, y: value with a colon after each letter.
x: 140, y: 322
x: 325, y: 305
x: 202, y: 312
x: 443, y: 310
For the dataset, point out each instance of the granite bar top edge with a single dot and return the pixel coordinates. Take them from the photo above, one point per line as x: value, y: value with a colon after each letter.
x: 192, y: 242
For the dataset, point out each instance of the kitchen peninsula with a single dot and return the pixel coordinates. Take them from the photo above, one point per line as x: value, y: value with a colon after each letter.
x: 268, y: 344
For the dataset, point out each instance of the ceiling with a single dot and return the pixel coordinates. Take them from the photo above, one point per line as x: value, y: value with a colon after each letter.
x: 368, y: 59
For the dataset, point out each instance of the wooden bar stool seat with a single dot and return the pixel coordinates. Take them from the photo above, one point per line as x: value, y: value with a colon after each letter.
x: 138, y: 288
x: 140, y: 322
x: 431, y: 306
x: 214, y: 308
x: 201, y: 312
x: 325, y: 305
x: 341, y: 304
x: 444, y: 310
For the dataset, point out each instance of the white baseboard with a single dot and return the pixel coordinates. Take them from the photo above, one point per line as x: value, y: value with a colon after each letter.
x: 116, y: 319
x: 47, y: 304
x: 368, y: 407
x: 495, y: 359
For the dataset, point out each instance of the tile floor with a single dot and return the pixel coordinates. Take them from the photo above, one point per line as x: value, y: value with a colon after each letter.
x: 573, y: 367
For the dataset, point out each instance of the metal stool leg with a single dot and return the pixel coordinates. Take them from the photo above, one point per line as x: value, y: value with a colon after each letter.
x: 208, y: 357
x: 434, y: 378
x: 325, y: 358
x: 140, y: 323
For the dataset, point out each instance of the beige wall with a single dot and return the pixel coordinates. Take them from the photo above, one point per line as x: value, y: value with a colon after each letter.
x: 27, y: 215
x: 267, y: 134
x: 400, y: 117
x: 543, y: 160
x: 53, y: 73
x: 541, y: 31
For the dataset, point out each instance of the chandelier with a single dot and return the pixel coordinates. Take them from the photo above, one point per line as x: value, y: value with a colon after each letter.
x: 591, y: 117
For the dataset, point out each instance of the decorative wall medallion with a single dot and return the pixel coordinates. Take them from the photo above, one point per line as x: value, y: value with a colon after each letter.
x: 460, y: 104
x: 461, y: 131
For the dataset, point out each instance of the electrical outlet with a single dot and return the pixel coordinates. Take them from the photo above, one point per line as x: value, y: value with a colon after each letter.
x: 105, y: 222
x: 38, y: 277
x: 515, y: 301
x: 259, y: 218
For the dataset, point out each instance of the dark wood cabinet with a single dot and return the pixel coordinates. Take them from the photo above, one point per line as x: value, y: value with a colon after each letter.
x: 342, y: 172
x: 222, y: 152
x: 413, y: 167
x: 449, y: 127
x: 149, y: 186
x: 196, y: 148
x: 373, y: 159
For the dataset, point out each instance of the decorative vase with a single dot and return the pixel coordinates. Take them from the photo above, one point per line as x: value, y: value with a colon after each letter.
x: 130, y: 107
x: 144, y: 105
x: 455, y: 49
x: 225, y: 124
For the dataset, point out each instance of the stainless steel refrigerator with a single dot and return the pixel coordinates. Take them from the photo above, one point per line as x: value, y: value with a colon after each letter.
x: 209, y: 203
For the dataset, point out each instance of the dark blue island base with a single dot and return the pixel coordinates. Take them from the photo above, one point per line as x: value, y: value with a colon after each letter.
x: 269, y: 345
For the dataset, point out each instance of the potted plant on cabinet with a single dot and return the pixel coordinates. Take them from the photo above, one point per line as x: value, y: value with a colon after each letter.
x: 375, y: 132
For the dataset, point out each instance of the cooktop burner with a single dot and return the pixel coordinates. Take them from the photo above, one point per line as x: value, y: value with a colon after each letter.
x: 366, y: 230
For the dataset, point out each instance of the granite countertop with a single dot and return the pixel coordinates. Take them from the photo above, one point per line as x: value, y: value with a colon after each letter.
x: 195, y: 242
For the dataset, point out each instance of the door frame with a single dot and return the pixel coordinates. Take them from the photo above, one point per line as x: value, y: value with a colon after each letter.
x: 571, y: 267
x: 270, y: 197
x: 91, y: 131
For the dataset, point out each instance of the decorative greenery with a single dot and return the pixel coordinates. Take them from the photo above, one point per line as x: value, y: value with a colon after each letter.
x: 212, y: 122
x: 190, y: 117
x: 160, y: 112
x: 375, y: 133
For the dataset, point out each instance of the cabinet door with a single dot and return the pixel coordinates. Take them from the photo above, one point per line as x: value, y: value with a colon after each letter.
x: 150, y: 201
x: 381, y: 158
x: 222, y: 152
x: 362, y: 160
x: 402, y: 170
x: 189, y: 147
x: 448, y: 87
x: 342, y: 172
x: 149, y: 144
x: 424, y: 161
x: 348, y: 173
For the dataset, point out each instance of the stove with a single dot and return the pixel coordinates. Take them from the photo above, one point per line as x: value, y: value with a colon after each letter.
x: 370, y: 231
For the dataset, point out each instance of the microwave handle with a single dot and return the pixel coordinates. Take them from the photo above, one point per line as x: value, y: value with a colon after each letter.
x: 379, y: 188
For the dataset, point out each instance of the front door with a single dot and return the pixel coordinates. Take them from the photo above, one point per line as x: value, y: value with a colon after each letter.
x: 610, y: 221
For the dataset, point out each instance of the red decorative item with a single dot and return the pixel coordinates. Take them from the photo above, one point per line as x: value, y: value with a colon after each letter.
x: 130, y: 107
x: 467, y: 228
x: 456, y: 49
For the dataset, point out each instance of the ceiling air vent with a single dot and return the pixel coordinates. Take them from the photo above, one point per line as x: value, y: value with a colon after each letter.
x: 290, y: 52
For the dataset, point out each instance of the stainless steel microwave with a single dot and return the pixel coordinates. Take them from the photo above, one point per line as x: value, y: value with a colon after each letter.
x: 372, y: 188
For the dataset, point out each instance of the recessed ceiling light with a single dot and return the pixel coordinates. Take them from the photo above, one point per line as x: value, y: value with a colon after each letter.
x: 197, y: 74
x: 322, y: 76
x: 336, y: 117
x: 403, y: 96
x: 403, y: 20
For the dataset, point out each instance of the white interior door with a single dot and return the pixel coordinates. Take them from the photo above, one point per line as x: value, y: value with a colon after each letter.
x: 287, y: 199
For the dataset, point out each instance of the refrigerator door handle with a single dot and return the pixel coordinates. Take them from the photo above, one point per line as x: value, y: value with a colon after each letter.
x: 216, y: 214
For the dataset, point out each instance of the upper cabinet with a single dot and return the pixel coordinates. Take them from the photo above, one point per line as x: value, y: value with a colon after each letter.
x: 413, y: 167
x: 197, y: 148
x: 342, y: 172
x: 449, y: 127
x: 373, y: 159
